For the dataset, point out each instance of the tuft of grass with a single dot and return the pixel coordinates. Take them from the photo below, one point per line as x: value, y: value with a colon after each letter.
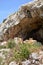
x: 21, y: 54
x: 34, y: 47
x: 1, y: 59
x: 10, y: 43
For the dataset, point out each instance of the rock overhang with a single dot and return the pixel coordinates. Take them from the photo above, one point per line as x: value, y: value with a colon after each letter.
x: 27, y: 20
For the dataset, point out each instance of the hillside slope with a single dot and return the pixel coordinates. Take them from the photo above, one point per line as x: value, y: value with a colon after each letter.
x: 27, y: 22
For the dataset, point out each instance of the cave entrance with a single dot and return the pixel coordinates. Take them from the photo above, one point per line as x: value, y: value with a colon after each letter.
x: 35, y: 35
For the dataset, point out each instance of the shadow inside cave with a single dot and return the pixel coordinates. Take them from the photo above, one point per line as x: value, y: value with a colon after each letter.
x: 35, y: 35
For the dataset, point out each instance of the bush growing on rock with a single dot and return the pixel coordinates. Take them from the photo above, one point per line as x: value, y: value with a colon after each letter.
x: 10, y: 43
x: 22, y: 53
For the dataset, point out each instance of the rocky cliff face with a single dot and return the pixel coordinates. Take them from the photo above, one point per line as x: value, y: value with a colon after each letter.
x: 25, y: 23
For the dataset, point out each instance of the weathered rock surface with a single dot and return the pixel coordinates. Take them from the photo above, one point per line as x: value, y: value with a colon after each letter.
x: 25, y: 23
x: 13, y: 63
x: 3, y: 54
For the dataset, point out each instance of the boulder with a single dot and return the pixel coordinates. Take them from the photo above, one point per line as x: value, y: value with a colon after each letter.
x: 27, y: 62
x: 13, y: 63
x: 18, y: 40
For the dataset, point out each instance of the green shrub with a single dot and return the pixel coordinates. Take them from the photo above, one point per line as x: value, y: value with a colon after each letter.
x: 34, y: 47
x: 22, y: 53
x: 2, y: 46
x: 4, y: 20
x: 10, y: 44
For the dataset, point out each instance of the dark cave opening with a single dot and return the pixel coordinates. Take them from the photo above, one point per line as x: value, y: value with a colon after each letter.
x: 33, y: 34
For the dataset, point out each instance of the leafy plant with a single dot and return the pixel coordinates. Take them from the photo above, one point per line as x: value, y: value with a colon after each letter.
x: 11, y: 43
x: 22, y: 53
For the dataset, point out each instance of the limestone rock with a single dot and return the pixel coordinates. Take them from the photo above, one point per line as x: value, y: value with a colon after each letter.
x: 18, y: 40
x: 25, y: 23
x: 13, y: 63
x: 27, y: 62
